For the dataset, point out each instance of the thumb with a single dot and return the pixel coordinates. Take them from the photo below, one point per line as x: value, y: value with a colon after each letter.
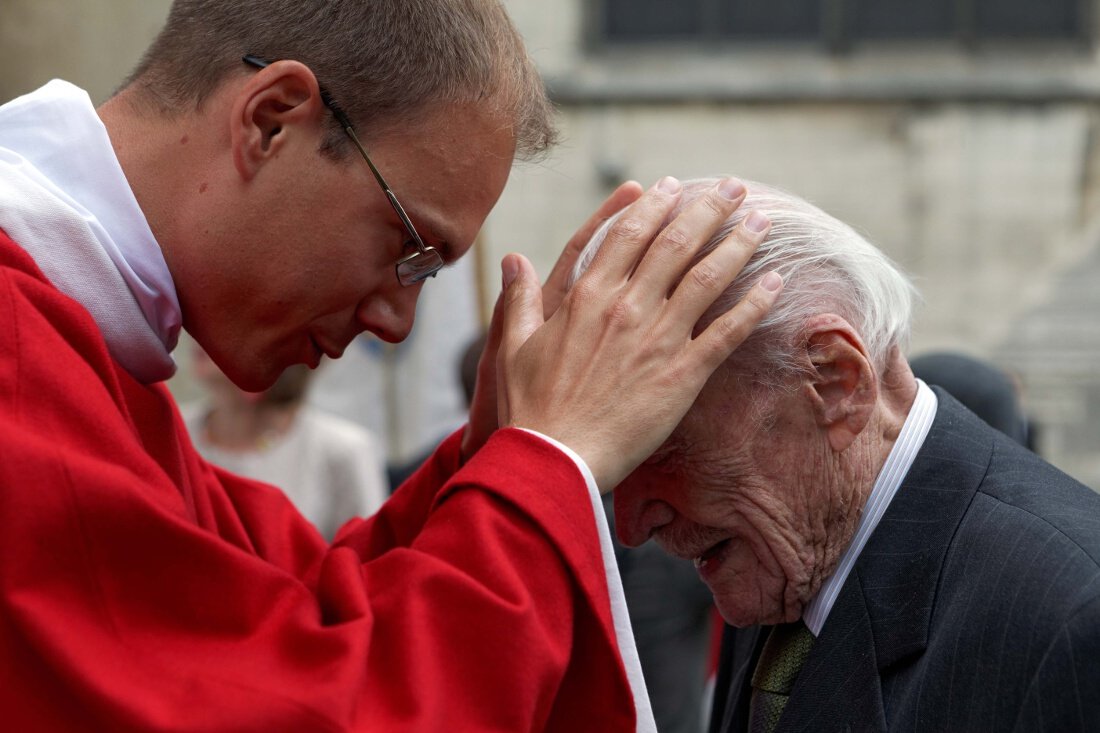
x: 492, y: 337
x: 522, y: 301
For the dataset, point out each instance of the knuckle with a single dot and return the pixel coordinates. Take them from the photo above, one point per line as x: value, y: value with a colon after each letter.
x: 628, y: 228
x: 583, y: 291
x: 516, y: 299
x: 743, y: 240
x: 716, y: 205
x: 623, y: 312
x: 706, y: 277
x: 573, y: 248
x: 758, y: 302
x: 732, y: 330
x: 677, y: 242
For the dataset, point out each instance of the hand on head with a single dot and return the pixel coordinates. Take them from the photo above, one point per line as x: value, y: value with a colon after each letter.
x: 612, y: 370
x: 483, y: 405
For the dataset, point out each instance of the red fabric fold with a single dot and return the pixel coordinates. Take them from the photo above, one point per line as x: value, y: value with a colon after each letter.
x: 143, y: 589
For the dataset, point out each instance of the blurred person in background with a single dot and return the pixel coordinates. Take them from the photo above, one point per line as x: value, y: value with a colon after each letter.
x: 885, y: 559
x: 466, y: 373
x: 331, y: 468
x: 986, y: 390
x: 673, y: 619
x: 238, y: 185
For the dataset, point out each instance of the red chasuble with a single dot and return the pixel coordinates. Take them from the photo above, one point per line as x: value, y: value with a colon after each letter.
x: 143, y: 589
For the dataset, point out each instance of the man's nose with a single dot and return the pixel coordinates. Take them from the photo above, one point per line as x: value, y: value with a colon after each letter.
x: 638, y: 516
x: 390, y: 315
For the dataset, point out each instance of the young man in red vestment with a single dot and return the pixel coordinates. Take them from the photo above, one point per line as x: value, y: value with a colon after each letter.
x: 239, y: 186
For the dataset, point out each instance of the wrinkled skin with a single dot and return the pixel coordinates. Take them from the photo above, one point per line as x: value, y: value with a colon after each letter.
x: 751, y: 488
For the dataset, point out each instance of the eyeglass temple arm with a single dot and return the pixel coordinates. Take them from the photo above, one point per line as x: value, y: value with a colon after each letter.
x: 342, y: 119
x: 397, y: 207
x: 338, y: 113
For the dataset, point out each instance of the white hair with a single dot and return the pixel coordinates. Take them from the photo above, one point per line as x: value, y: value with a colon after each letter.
x: 826, y: 268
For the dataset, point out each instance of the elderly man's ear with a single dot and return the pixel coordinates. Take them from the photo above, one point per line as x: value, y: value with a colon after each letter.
x: 842, y: 386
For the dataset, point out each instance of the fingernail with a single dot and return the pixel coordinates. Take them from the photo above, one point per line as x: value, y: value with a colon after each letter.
x: 757, y: 222
x: 731, y: 189
x: 509, y: 270
x: 771, y: 282
x: 668, y: 184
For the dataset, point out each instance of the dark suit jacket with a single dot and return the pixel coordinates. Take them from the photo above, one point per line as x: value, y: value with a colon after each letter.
x: 974, y: 606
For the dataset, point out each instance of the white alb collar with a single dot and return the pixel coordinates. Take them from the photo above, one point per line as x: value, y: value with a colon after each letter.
x: 65, y: 199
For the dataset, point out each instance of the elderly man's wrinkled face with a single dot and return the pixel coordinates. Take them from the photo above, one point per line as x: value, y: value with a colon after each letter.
x: 736, y: 489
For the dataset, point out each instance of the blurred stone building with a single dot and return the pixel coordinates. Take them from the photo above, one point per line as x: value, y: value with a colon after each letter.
x: 92, y: 43
x: 959, y: 135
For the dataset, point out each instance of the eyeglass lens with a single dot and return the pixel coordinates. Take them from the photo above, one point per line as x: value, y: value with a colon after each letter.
x: 419, y: 266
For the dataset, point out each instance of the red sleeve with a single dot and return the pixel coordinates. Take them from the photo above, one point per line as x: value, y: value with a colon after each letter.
x: 142, y: 590
x: 403, y: 515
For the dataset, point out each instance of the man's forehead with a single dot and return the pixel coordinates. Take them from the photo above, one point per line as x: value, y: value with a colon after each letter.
x: 451, y: 219
x: 448, y: 173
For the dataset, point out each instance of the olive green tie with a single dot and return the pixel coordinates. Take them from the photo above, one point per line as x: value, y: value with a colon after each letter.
x: 783, y: 655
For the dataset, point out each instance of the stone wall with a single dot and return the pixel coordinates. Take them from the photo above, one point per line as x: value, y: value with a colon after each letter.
x: 977, y: 172
x: 92, y: 43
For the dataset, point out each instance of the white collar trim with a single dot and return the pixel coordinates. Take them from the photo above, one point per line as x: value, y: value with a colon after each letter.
x: 65, y: 199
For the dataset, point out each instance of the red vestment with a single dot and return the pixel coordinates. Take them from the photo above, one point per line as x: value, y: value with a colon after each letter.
x: 143, y: 589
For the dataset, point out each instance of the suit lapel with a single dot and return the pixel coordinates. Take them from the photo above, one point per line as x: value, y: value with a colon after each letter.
x: 883, y: 614
x: 900, y: 567
x: 838, y: 688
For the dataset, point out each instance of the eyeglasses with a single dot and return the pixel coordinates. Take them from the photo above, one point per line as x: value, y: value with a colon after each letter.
x: 426, y: 261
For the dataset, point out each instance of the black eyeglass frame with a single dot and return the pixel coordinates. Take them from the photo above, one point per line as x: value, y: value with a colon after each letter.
x: 426, y: 261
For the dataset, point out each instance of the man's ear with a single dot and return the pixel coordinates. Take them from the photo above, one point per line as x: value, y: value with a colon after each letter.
x: 843, y: 386
x: 278, y: 99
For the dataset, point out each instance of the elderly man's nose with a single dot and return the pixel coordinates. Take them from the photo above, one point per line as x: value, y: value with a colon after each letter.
x: 636, y: 519
x: 629, y: 535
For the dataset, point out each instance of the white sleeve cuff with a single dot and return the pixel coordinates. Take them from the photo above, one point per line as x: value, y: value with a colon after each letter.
x: 624, y: 635
x: 581, y: 465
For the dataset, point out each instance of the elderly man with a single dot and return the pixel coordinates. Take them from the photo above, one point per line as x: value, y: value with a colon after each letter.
x: 926, y: 572
x: 239, y: 186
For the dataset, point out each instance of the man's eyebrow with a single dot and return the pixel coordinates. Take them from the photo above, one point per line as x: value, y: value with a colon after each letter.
x: 441, y: 243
